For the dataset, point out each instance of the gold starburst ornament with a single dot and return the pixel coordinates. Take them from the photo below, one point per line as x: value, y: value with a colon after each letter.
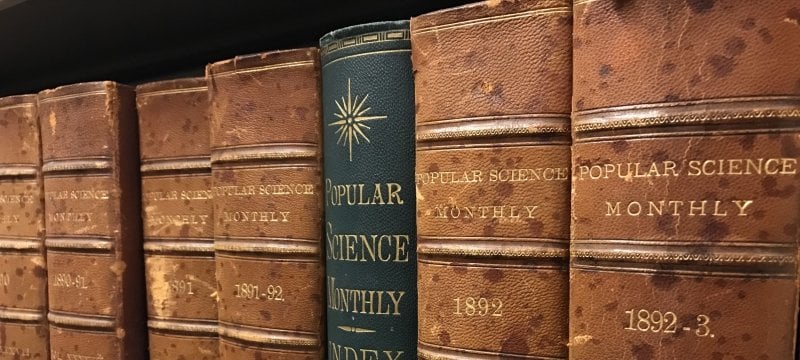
x: 350, y: 120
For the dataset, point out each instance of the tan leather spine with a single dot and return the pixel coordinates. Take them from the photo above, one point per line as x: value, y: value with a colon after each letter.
x: 492, y: 175
x: 685, y: 181
x: 174, y: 136
x: 92, y: 213
x: 265, y: 158
x: 23, y: 274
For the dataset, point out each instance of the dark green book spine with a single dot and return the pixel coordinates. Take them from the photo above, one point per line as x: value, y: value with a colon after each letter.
x: 368, y: 115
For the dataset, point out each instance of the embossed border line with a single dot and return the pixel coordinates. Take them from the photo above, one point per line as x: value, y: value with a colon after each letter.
x: 264, y: 68
x: 45, y: 99
x: 496, y: 18
x: 21, y: 315
x: 723, y: 111
x: 14, y: 106
x: 172, y: 91
x: 193, y: 327
x: 439, y: 352
x: 173, y: 164
x: 494, y: 126
x: 268, y: 336
x: 367, y: 53
x: 273, y: 151
x: 97, y: 322
x: 18, y: 170
x: 64, y: 165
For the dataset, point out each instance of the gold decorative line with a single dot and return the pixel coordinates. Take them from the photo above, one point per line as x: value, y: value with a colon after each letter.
x: 463, y: 134
x: 682, y: 119
x: 89, y: 321
x: 646, y: 243
x: 661, y: 270
x: 14, y: 106
x: 86, y: 244
x: 26, y: 315
x: 439, y: 352
x: 366, y: 53
x: 176, y: 164
x: 178, y: 246
x: 370, y: 38
x: 190, y: 326
x: 172, y: 91
x: 268, y: 152
x: 557, y: 117
x: 268, y: 336
x: 20, y: 244
x: 679, y: 133
x: 556, y: 253
x: 13, y: 171
x: 785, y: 101
x: 73, y: 96
x: 581, y: 2
x: 356, y: 330
x: 496, y: 18
x: 72, y: 165
x: 713, y: 258
x: 248, y: 247
x: 265, y: 68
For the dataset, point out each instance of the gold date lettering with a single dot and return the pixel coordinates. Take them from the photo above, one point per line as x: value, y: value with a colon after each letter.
x: 248, y: 291
x: 70, y: 281
x: 657, y: 321
x: 478, y: 306
x: 180, y: 287
x: 5, y: 280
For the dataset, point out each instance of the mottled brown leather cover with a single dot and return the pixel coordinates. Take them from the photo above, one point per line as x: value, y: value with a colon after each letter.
x: 174, y: 136
x: 23, y: 275
x: 685, y: 181
x: 92, y: 212
x: 265, y: 158
x: 492, y: 175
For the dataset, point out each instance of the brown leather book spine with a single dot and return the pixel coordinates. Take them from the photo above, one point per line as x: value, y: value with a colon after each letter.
x: 178, y: 233
x: 492, y: 176
x: 23, y: 275
x: 685, y: 182
x: 92, y: 213
x: 265, y: 162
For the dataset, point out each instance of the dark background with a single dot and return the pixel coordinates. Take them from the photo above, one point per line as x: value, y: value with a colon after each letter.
x: 47, y: 43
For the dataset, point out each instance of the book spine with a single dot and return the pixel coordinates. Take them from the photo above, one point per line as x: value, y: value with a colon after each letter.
x: 370, y: 231
x: 92, y: 214
x: 685, y: 180
x: 265, y: 158
x: 178, y: 233
x: 23, y: 274
x: 492, y: 179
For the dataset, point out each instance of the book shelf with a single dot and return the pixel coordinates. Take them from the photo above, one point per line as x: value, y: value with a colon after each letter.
x: 50, y: 43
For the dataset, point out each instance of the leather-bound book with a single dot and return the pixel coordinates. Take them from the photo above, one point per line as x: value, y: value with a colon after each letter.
x: 23, y: 278
x: 492, y: 178
x: 686, y: 193
x: 370, y: 232
x: 267, y: 182
x: 178, y: 233
x: 93, y: 222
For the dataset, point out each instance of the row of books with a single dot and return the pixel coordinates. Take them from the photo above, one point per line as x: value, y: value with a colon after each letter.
x: 507, y: 179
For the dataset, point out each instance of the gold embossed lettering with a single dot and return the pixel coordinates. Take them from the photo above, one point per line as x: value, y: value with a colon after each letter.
x: 366, y: 247
x: 364, y: 301
x: 256, y: 216
x: 478, y: 306
x: 249, y: 291
x: 342, y: 352
x: 5, y: 280
x: 657, y: 321
x: 63, y: 280
x: 718, y: 208
x: 363, y: 194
